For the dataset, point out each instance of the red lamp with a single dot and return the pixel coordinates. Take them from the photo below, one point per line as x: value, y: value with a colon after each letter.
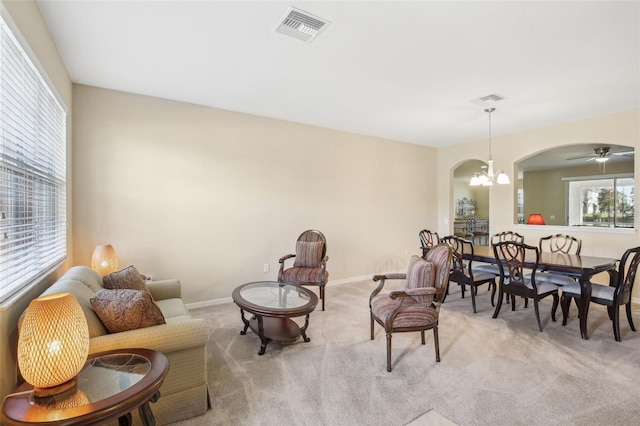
x: 535, y: 219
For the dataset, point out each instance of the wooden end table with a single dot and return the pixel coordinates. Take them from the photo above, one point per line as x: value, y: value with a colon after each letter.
x: 273, y: 304
x: 110, y: 386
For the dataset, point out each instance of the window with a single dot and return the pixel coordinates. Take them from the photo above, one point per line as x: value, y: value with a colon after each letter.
x: 607, y: 202
x: 33, y: 236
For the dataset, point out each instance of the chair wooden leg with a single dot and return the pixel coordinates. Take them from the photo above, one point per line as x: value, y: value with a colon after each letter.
x: 436, y: 342
x: 422, y: 335
x: 371, y: 315
x: 616, y: 323
x: 473, y: 291
x: 513, y: 302
x: 322, y: 295
x: 499, y: 304
x: 628, y: 307
x: 389, y: 352
x: 535, y: 307
x: 493, y: 286
x: 564, y: 304
x: 554, y: 307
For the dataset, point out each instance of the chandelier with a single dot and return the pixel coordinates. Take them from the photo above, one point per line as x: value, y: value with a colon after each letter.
x: 488, y: 177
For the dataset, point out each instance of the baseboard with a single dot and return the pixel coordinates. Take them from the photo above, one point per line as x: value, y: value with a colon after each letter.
x: 222, y: 301
x: 214, y: 302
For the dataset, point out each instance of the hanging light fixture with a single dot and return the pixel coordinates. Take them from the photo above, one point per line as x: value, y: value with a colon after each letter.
x: 487, y: 178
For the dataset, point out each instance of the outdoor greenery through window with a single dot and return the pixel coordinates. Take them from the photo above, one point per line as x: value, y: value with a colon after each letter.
x: 33, y: 236
x: 605, y: 202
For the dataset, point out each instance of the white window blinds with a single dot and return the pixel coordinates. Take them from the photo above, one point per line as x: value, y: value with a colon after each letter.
x: 32, y: 170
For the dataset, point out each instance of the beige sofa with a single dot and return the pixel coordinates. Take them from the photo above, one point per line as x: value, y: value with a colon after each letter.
x: 183, y: 339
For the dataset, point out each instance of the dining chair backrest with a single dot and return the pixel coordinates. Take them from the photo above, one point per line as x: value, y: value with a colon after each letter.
x: 428, y: 239
x: 459, y: 246
x: 506, y: 236
x: 560, y: 243
x: 511, y: 257
x: 626, y: 275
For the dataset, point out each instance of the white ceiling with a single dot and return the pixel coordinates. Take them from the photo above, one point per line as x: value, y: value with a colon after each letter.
x: 406, y: 71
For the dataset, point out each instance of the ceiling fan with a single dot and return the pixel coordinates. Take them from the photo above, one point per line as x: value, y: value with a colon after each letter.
x: 601, y: 154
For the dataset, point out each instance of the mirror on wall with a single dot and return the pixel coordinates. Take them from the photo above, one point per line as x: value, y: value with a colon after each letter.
x: 589, y: 185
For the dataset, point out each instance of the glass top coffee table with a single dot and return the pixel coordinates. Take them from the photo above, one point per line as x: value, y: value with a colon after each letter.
x: 273, y: 305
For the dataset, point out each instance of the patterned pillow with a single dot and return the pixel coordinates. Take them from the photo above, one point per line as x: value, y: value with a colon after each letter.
x: 420, y: 274
x: 308, y: 254
x: 122, y: 310
x: 128, y: 278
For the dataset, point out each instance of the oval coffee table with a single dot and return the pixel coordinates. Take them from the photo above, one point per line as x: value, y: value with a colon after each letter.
x: 273, y: 305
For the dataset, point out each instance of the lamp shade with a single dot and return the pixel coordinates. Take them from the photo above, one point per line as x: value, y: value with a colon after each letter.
x: 53, y: 343
x: 104, y: 260
x: 535, y: 219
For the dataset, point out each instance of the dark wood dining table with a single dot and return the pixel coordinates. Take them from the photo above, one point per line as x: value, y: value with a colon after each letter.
x: 579, y: 266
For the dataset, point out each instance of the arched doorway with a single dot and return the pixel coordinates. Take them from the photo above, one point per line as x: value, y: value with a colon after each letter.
x: 470, y: 204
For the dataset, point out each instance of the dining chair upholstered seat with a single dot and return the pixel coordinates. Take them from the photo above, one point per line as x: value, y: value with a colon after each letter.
x: 310, y: 262
x: 614, y: 295
x: 511, y: 257
x: 417, y: 306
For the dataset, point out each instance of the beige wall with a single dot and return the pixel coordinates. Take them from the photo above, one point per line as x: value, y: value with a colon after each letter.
x: 210, y: 196
x: 620, y: 129
x: 25, y: 20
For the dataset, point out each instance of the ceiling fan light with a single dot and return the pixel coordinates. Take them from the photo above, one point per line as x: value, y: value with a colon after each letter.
x: 602, y: 159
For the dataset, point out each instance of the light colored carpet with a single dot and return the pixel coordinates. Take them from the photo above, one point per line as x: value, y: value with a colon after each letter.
x: 493, y: 371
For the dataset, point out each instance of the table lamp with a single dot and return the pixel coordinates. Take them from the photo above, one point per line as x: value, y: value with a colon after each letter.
x: 53, y: 344
x: 535, y: 219
x: 104, y: 260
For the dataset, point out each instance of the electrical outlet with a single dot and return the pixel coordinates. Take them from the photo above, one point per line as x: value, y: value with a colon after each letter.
x: 265, y: 268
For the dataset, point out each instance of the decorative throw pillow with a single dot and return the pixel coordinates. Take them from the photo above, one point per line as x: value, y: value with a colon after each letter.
x: 419, y: 275
x: 128, y: 278
x: 124, y: 309
x: 308, y: 254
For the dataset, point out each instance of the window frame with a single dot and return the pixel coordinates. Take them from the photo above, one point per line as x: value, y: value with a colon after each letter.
x: 47, y: 176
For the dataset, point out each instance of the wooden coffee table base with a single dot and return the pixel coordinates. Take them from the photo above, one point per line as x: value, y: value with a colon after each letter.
x: 274, y: 329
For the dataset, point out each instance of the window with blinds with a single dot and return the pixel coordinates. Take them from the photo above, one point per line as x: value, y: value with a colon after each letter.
x: 33, y: 236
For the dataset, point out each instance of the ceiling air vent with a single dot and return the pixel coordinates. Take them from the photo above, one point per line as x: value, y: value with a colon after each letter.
x: 301, y: 25
x: 488, y: 100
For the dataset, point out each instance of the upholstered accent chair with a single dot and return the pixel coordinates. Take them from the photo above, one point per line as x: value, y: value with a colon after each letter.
x: 310, y: 262
x: 616, y: 294
x: 428, y: 239
x: 558, y: 243
x: 417, y: 307
x: 462, y: 270
x: 514, y: 281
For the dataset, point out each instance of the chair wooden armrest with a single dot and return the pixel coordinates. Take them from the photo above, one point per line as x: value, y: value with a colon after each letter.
x: 285, y: 257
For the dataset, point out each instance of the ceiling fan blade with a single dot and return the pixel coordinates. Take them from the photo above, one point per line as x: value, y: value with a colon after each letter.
x: 623, y: 153
x: 582, y: 158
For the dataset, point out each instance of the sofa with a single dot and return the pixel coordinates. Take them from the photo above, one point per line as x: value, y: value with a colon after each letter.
x: 183, y: 339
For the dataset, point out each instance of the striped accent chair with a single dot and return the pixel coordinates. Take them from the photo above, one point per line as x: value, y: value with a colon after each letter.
x: 310, y: 262
x: 417, y: 307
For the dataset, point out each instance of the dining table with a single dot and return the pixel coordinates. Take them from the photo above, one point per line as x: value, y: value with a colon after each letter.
x: 581, y: 267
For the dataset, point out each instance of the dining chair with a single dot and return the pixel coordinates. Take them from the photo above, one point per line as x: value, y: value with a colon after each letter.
x: 310, y: 263
x: 417, y: 306
x: 462, y: 271
x: 428, y: 239
x: 511, y: 256
x: 498, y: 238
x: 558, y: 243
x: 614, y: 295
